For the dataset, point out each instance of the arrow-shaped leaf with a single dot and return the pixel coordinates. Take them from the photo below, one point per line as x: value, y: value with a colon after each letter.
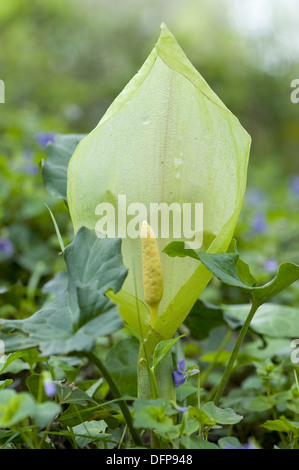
x: 82, y: 312
x: 231, y: 270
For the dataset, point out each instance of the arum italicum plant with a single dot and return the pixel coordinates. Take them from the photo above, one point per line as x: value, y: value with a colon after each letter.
x: 167, y: 138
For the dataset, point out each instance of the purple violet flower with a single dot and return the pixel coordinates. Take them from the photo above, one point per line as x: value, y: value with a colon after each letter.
x: 50, y: 389
x: 182, y: 409
x: 294, y: 185
x: 249, y: 445
x: 30, y: 168
x: 179, y: 375
x: 44, y: 138
x: 271, y: 265
x: 6, y: 246
x: 28, y: 155
x: 259, y: 223
x: 255, y: 196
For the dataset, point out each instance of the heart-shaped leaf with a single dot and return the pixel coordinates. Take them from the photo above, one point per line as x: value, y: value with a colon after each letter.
x: 219, y: 415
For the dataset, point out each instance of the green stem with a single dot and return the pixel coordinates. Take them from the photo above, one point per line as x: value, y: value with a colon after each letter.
x: 161, y: 382
x: 234, y: 353
x: 207, y: 372
x: 198, y: 390
x: 155, y: 390
x: 116, y: 393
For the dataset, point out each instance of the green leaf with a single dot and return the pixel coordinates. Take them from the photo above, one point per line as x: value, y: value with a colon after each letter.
x: 121, y: 361
x: 34, y: 382
x: 82, y: 312
x: 162, y: 349
x: 229, y: 442
x: 5, y: 383
x: 229, y: 269
x: 199, y: 415
x: 90, y: 431
x: 203, y: 318
x: 45, y: 413
x: 282, y: 425
x: 242, y: 267
x: 272, y: 320
x: 171, y: 131
x: 153, y: 414
x: 14, y: 407
x: 193, y: 442
x: 31, y: 356
x: 54, y: 169
x: 15, y: 340
x: 59, y: 237
x: 71, y: 394
x: 185, y: 390
x: 221, y: 358
x: 57, y: 285
x: 221, y: 416
x: 258, y: 404
x: 7, y: 360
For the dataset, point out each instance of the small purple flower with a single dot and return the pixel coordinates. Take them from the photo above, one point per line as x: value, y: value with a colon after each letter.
x: 249, y: 445
x: 259, y: 223
x: 28, y: 155
x: 44, y: 138
x: 271, y: 265
x: 32, y: 169
x: 294, y: 185
x: 255, y: 196
x: 179, y: 375
x: 182, y: 409
x: 6, y: 246
x: 50, y: 389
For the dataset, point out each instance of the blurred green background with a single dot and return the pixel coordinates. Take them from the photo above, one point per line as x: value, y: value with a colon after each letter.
x: 63, y: 63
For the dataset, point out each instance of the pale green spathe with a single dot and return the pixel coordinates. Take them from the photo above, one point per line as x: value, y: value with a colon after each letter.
x: 166, y: 138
